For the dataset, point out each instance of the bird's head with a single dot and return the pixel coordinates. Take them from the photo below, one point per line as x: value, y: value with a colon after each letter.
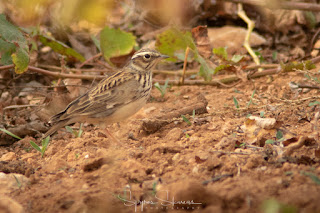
x: 146, y: 59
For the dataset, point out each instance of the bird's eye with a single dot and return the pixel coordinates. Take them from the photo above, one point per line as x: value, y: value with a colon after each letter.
x: 147, y: 56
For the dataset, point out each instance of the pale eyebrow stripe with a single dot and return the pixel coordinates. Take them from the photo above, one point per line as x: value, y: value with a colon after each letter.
x: 141, y: 54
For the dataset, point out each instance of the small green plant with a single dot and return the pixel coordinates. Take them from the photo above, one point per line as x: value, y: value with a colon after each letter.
x: 193, y: 114
x: 250, y: 101
x: 236, y: 103
x: 314, y: 103
x: 274, y: 55
x: 154, y: 188
x: 162, y: 88
x: 312, y: 176
x: 44, y: 145
x: 262, y: 114
x: 279, y: 134
x: 76, y: 134
x: 18, y: 181
x: 240, y: 145
x: 269, y: 141
x: 44, y: 142
x: 258, y: 53
x: 185, y: 119
x: 272, y: 205
x: 10, y: 133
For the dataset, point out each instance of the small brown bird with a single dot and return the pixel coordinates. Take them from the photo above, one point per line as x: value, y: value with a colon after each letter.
x: 114, y: 98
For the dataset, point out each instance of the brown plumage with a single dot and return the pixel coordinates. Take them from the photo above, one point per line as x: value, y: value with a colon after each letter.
x: 114, y: 98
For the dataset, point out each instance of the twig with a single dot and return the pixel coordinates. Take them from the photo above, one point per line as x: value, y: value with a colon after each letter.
x: 38, y: 87
x: 242, y: 14
x: 289, y: 150
x: 314, y: 37
x: 20, y: 106
x: 55, y: 68
x: 280, y: 4
x: 175, y: 72
x: 90, y: 59
x: 269, y: 66
x: 64, y: 75
x: 185, y: 64
x: 6, y: 67
x: 233, y: 153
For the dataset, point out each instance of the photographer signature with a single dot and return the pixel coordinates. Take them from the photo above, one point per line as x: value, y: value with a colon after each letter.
x: 163, y: 202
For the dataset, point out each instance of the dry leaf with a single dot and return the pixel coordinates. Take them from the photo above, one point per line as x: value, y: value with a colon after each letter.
x: 200, y: 35
x: 264, y: 123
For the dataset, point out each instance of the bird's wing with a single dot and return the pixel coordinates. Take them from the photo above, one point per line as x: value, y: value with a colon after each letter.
x: 103, y: 99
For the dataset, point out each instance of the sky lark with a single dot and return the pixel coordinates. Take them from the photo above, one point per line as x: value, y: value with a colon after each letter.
x: 114, y: 98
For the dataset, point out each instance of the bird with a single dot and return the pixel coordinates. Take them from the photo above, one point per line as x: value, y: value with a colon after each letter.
x: 114, y: 98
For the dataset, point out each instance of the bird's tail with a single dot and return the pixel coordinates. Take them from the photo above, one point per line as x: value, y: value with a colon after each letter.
x: 55, y: 127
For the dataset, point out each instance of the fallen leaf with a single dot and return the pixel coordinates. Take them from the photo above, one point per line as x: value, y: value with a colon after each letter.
x: 264, y: 123
x: 200, y: 35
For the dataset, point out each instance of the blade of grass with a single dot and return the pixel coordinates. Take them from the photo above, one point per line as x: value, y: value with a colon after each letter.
x: 10, y: 133
x: 186, y: 119
x: 236, y: 103
x: 44, y: 143
x: 80, y: 131
x: 35, y: 146
x: 250, y: 101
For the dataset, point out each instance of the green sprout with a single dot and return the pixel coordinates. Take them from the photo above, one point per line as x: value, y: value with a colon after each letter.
x: 44, y: 142
x: 44, y: 145
x: 162, y: 88
x: 250, y: 101
x: 186, y: 119
x: 76, y: 134
x: 236, y: 103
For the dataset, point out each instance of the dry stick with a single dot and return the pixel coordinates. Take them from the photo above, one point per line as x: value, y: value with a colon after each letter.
x: 55, y: 68
x: 176, y: 72
x: 185, y: 64
x: 269, y: 66
x: 280, y: 5
x: 90, y: 59
x: 289, y: 150
x: 314, y: 37
x: 20, y: 106
x: 250, y: 26
x: 63, y: 75
x: 6, y: 67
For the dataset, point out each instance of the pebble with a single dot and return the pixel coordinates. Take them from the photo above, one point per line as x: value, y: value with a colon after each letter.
x: 8, y: 156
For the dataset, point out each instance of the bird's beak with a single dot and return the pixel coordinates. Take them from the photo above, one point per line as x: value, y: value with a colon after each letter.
x: 164, y: 56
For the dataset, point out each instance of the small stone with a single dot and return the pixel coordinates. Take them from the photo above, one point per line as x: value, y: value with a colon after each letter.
x: 149, y: 110
x: 85, y: 186
x: 195, y: 169
x: 8, y: 156
x: 4, y: 95
x: 28, y: 155
x: 176, y: 157
x: 9, y: 205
